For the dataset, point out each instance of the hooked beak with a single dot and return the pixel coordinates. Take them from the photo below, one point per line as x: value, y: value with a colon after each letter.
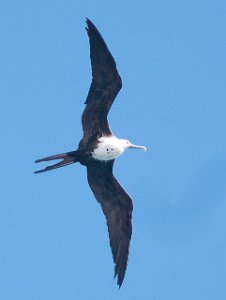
x: 137, y: 147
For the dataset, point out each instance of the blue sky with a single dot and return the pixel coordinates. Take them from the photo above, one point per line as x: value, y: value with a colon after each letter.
x: 53, y: 236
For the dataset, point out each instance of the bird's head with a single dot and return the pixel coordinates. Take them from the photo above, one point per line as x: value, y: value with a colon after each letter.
x: 127, y: 144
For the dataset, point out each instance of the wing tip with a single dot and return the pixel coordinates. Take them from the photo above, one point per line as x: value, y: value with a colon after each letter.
x: 90, y: 26
x: 120, y: 279
x: 88, y: 21
x: 94, y: 33
x: 120, y: 271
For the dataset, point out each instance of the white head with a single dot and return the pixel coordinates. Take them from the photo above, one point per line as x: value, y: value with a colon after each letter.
x: 127, y: 144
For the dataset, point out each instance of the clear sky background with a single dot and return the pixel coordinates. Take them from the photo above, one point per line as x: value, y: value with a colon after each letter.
x: 53, y: 235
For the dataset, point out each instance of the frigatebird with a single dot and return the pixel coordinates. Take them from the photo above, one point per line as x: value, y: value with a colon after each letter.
x: 98, y: 149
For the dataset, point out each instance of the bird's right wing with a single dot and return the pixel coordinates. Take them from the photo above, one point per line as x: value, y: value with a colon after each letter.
x: 106, y: 83
x: 117, y: 207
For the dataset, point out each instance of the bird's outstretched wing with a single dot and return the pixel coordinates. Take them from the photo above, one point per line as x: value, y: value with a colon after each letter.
x: 105, y: 85
x: 117, y: 207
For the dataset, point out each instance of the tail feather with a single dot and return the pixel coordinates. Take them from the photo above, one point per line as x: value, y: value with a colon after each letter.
x: 67, y: 158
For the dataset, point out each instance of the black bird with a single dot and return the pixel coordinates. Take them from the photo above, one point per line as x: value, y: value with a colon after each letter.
x: 98, y: 149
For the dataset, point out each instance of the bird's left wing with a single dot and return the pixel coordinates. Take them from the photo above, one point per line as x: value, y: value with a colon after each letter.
x: 117, y: 207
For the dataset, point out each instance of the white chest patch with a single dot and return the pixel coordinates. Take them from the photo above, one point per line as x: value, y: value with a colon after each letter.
x: 108, y: 148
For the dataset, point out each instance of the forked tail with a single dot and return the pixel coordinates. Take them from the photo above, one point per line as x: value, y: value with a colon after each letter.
x: 66, y: 159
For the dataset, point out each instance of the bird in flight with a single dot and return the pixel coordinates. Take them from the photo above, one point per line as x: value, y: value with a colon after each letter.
x: 98, y: 149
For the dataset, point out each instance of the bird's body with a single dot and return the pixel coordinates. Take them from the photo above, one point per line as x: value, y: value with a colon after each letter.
x: 98, y: 149
x: 108, y: 148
